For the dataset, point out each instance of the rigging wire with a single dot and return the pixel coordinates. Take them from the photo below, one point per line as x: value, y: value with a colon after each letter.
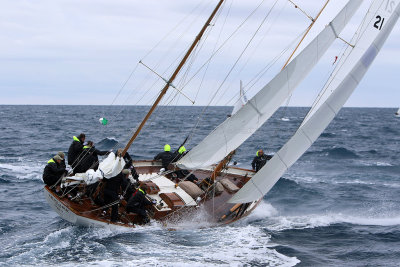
x: 256, y: 48
x: 212, y: 56
x: 172, y: 46
x: 163, y: 107
x: 302, y: 11
x: 213, y: 51
x: 271, y: 63
x: 224, y: 43
x: 172, y: 30
x: 173, y: 96
x: 340, y: 63
x: 150, y: 51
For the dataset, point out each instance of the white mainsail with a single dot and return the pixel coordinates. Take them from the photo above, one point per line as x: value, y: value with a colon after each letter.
x: 308, y: 132
x: 235, y: 130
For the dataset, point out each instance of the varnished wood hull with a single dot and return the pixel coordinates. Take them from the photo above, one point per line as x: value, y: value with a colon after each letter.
x: 213, y: 209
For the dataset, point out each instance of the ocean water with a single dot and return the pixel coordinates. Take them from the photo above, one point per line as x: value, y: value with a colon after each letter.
x: 339, y: 205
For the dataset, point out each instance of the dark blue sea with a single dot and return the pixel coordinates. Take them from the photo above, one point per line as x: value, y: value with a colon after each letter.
x: 339, y: 205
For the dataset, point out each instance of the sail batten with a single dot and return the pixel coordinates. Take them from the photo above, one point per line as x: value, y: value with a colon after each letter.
x: 315, y: 124
x: 235, y: 130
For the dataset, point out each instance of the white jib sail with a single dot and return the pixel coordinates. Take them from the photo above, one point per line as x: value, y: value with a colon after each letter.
x: 235, y: 130
x: 265, y: 178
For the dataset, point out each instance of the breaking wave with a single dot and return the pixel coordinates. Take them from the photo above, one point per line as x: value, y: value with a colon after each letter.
x: 107, y: 143
x: 341, y: 153
x: 281, y: 223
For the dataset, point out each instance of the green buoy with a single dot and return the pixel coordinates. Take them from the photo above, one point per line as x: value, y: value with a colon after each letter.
x: 103, y: 121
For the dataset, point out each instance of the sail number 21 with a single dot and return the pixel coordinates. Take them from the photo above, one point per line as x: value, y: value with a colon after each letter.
x: 379, y: 20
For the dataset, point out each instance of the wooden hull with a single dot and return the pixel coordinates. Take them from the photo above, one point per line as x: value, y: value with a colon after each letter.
x: 212, y: 208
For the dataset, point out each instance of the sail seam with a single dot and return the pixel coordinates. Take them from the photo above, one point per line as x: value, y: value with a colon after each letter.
x: 333, y: 29
x: 261, y: 193
x: 306, y: 135
x: 284, y: 163
x: 287, y: 78
x: 255, y: 109
x: 317, y: 58
x: 331, y: 108
x: 354, y: 78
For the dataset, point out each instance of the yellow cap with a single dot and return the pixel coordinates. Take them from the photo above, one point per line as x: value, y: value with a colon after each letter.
x: 181, y: 150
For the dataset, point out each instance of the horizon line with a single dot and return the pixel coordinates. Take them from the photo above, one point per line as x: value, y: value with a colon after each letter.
x: 171, y: 105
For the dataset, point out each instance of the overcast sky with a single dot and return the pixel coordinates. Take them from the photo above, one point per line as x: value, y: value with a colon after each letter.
x: 83, y: 51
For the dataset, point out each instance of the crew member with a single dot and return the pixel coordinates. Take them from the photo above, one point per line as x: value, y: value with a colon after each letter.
x: 166, y: 157
x: 137, y: 203
x: 75, y: 150
x: 62, y: 155
x: 259, y: 160
x: 53, y: 171
x: 180, y: 153
x: 112, y: 189
x: 89, y: 158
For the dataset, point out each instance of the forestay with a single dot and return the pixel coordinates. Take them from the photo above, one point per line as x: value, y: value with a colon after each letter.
x: 384, y: 20
x: 236, y: 129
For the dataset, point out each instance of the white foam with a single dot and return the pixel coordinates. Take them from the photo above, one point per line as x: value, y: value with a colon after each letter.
x: 386, y: 164
x: 362, y: 182
x: 303, y: 179
x: 280, y: 223
x: 355, y: 181
x: 220, y: 246
x: 57, y: 240
x: 192, y: 221
x: 313, y: 180
x: 233, y: 246
x: 262, y: 211
x: 376, y: 163
x: 23, y: 170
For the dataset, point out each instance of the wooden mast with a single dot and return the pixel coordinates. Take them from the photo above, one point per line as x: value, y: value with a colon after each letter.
x: 172, y: 78
x: 305, y: 34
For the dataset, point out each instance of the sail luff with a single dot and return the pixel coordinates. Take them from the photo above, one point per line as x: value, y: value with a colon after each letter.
x: 173, y: 76
x: 305, y: 136
x: 235, y: 130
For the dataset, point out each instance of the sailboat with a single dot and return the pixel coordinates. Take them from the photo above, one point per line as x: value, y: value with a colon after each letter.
x: 397, y: 113
x: 224, y: 193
